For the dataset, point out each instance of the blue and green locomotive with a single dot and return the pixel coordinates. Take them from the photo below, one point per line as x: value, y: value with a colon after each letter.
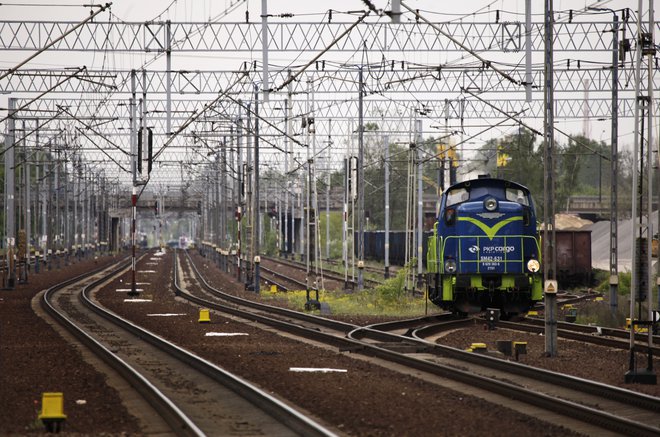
x: 485, y: 251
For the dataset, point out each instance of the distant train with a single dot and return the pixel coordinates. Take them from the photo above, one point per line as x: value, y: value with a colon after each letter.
x: 485, y: 251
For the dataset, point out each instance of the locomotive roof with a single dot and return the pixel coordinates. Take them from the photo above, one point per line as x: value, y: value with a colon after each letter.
x: 488, y: 182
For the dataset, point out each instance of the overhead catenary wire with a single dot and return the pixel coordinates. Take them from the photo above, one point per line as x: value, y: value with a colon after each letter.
x: 14, y: 112
x: 89, y: 127
x: 25, y: 136
x: 117, y: 163
x: 196, y: 115
x: 486, y: 62
x: 55, y: 41
x: 535, y: 131
x: 409, y: 105
x: 315, y: 58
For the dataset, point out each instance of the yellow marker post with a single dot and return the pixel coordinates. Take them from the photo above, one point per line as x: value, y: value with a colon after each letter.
x: 478, y: 347
x: 273, y: 288
x: 52, y: 411
x: 204, y: 316
x: 519, y: 348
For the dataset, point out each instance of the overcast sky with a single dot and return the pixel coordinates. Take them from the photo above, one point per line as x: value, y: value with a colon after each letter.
x: 307, y: 11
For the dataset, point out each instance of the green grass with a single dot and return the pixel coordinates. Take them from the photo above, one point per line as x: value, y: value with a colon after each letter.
x: 388, y: 299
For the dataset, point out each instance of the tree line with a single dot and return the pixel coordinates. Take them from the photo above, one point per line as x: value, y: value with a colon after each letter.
x: 582, y: 168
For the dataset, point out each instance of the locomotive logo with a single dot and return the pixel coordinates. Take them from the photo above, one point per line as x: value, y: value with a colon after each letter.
x: 491, y: 215
x: 473, y: 249
x: 490, y: 231
x: 498, y: 249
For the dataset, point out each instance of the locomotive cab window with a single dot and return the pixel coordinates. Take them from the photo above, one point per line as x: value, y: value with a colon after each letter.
x: 516, y: 195
x: 457, y: 195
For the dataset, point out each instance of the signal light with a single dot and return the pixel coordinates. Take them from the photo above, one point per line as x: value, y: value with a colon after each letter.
x: 139, y: 151
x: 150, y: 149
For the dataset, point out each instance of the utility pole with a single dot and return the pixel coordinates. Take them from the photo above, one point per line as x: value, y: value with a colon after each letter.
x: 549, y: 272
x: 286, y: 179
x: 10, y: 192
x: 642, y: 275
x: 386, y: 140
x: 256, y: 234
x: 264, y: 49
x: 528, y: 51
x: 224, y: 201
x: 168, y: 76
x: 249, y: 272
x: 57, y: 239
x: 241, y: 183
x: 308, y: 184
x: 360, y: 182
x: 327, y: 192
x: 66, y: 241
x: 344, y: 227
x: 614, y: 273
x: 420, y: 204
x: 27, y: 209
x: 135, y: 158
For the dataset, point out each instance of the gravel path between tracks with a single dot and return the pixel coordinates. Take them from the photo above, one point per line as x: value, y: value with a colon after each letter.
x: 365, y: 400
x: 34, y: 359
x: 584, y: 360
x: 598, y: 363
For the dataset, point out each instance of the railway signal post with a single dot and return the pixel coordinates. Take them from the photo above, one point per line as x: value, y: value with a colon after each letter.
x: 550, y: 290
x: 133, y: 291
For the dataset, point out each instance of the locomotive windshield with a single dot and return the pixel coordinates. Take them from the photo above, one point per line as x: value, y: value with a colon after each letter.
x: 516, y: 195
x: 461, y: 194
x: 457, y: 195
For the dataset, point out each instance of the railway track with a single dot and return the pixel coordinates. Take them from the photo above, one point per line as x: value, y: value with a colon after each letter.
x: 370, y: 269
x: 593, y: 330
x: 621, y: 410
x: 172, y: 380
x: 600, y: 406
x: 282, y: 281
x: 611, y: 337
x: 332, y: 281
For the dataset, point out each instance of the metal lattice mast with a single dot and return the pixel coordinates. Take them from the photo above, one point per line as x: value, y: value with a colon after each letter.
x: 614, y: 162
x: 641, y: 287
x: 360, y: 181
x: 549, y: 252
x: 256, y: 228
x: 420, y: 203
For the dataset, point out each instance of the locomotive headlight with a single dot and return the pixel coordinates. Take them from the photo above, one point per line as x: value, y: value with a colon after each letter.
x: 533, y: 265
x: 450, y: 266
x: 490, y: 204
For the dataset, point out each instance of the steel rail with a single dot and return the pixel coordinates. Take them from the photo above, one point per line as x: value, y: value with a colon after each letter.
x: 169, y: 412
x: 584, y: 333
x: 446, y: 320
x: 355, y: 342
x: 327, y: 274
x: 277, y: 409
x: 274, y: 274
x: 564, y: 407
x: 310, y: 318
x: 651, y: 403
x: 592, y: 329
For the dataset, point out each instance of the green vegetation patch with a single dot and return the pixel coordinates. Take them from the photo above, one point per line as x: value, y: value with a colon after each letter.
x: 389, y: 299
